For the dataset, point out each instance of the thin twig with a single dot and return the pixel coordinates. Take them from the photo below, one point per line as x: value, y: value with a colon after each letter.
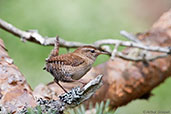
x: 129, y: 36
x: 131, y: 44
x: 141, y: 58
x: 114, y: 52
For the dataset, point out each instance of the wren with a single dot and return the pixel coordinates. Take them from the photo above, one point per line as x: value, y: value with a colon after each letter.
x: 71, y: 67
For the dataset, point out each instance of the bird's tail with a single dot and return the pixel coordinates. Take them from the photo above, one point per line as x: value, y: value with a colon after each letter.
x: 55, y: 51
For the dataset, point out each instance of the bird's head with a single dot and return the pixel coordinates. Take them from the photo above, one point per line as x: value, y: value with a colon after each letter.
x: 89, y: 51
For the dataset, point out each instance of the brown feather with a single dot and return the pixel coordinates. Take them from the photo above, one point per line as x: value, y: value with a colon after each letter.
x: 67, y: 59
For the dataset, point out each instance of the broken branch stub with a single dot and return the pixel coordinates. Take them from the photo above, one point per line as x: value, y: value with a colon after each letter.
x: 78, y: 95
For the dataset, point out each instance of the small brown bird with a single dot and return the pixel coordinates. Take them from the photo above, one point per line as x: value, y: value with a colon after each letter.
x: 71, y: 67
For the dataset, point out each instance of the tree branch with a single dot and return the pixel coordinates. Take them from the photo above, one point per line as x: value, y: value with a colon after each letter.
x: 35, y: 37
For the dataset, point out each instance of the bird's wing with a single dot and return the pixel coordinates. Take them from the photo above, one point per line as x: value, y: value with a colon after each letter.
x: 67, y: 59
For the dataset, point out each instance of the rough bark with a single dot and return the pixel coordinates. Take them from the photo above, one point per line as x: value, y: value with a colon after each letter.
x: 14, y: 90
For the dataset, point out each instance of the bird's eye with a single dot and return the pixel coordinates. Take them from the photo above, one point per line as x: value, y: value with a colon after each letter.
x: 92, y: 51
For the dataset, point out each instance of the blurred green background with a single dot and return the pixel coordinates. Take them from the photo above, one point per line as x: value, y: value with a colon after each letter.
x: 83, y: 21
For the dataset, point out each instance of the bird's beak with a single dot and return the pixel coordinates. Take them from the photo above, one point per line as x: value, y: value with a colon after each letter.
x: 102, y: 52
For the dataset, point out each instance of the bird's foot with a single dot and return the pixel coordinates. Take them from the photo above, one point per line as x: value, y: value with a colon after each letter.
x: 57, y: 82
x: 82, y: 82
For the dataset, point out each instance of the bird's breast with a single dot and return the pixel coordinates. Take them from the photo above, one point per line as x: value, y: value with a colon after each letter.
x: 80, y: 71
